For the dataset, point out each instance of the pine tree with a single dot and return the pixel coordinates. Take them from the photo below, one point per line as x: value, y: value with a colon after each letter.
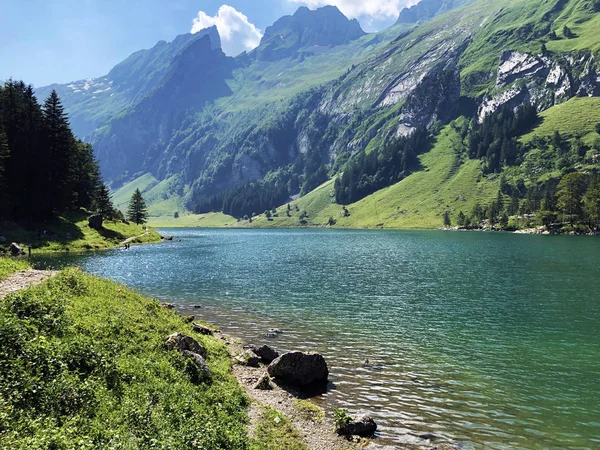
x: 137, y: 211
x: 591, y: 203
x: 4, y: 188
x: 447, y: 220
x: 103, y: 202
x: 461, y: 219
x: 60, y: 149
x: 570, y: 192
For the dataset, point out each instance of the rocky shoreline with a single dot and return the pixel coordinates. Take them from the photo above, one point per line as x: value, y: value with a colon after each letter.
x: 287, y: 382
x: 545, y: 231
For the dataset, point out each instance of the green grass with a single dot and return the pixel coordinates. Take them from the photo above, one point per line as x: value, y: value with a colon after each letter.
x: 309, y: 410
x: 70, y: 232
x: 275, y: 432
x: 577, y: 117
x: 209, y: 220
x: 448, y: 181
x: 8, y: 266
x: 83, y: 366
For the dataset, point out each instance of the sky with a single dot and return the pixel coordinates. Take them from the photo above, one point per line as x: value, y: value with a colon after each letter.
x: 59, y: 41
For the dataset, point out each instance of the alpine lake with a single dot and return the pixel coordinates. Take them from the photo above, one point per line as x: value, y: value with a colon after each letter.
x: 488, y: 340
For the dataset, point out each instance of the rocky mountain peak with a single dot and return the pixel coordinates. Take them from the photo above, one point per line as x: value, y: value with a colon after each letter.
x: 325, y: 26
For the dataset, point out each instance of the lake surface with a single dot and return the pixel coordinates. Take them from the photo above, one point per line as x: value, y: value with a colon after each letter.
x: 487, y: 339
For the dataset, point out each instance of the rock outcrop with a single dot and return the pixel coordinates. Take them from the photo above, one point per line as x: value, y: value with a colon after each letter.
x: 16, y: 249
x: 541, y: 80
x: 265, y: 353
x: 183, y: 342
x: 95, y: 222
x: 301, y: 369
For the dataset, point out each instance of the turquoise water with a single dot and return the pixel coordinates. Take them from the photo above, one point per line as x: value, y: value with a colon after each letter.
x: 489, y: 340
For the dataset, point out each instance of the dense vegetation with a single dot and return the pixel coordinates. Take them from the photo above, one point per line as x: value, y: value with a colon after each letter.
x: 82, y: 365
x: 384, y: 166
x: 44, y: 169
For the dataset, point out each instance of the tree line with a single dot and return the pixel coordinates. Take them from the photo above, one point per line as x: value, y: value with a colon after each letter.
x: 44, y: 169
x: 573, y: 203
x: 382, y: 167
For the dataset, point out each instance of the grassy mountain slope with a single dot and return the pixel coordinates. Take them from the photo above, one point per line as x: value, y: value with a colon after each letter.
x: 448, y: 181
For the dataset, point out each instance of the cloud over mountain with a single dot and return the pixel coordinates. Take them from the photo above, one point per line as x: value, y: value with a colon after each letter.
x: 237, y: 32
x: 372, y: 9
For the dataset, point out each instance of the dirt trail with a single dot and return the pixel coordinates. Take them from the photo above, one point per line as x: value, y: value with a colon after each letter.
x: 23, y: 280
x: 131, y: 239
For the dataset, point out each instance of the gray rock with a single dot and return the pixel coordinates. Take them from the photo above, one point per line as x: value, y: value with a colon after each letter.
x: 16, y: 249
x: 251, y: 359
x: 200, y: 363
x: 363, y: 426
x: 198, y: 328
x: 95, y: 222
x: 182, y: 342
x: 264, y: 383
x: 2, y: 240
x: 300, y: 368
x: 265, y: 353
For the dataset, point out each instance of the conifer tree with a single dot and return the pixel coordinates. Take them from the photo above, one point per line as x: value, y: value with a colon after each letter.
x: 137, y: 211
x: 591, y: 203
x: 570, y: 192
x: 4, y: 156
x: 60, y: 148
x: 103, y: 202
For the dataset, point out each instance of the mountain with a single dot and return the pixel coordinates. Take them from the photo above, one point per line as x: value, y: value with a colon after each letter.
x: 93, y: 101
x: 428, y: 9
x: 435, y: 110
x: 323, y: 27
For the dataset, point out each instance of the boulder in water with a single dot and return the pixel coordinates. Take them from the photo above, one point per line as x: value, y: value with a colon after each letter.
x: 363, y: 426
x: 301, y: 369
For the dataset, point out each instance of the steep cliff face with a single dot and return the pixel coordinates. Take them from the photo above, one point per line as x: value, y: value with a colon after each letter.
x: 542, y: 80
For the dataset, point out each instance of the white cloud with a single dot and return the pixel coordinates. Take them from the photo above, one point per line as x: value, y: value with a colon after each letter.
x: 237, y: 32
x: 371, y: 9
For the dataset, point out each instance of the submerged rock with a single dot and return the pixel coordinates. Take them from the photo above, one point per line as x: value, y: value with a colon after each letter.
x: 363, y: 426
x: 298, y: 368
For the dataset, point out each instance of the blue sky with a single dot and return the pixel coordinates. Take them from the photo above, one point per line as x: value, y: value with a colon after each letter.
x: 57, y: 41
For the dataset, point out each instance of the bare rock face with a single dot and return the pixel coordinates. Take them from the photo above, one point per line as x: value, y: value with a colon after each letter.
x: 182, y: 342
x: 298, y: 368
x: 541, y: 81
x: 363, y: 426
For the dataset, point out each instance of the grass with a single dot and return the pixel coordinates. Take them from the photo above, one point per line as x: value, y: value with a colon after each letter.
x: 275, y: 431
x: 70, y: 232
x: 83, y: 366
x: 309, y: 410
x: 448, y: 181
x: 8, y: 266
x: 576, y: 117
x: 186, y: 220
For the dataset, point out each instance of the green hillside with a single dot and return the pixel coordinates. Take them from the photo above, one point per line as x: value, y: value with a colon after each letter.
x: 448, y: 181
